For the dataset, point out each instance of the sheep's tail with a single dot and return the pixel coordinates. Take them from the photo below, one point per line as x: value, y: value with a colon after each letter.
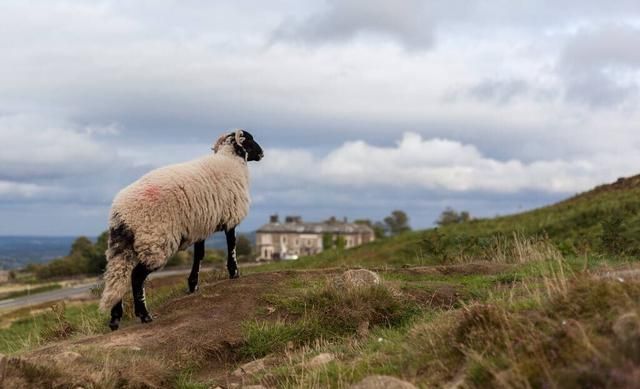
x: 121, y: 259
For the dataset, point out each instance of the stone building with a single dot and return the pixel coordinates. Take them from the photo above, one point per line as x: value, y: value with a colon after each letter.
x: 293, y: 237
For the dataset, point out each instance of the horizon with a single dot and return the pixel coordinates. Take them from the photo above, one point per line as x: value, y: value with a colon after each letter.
x: 362, y: 107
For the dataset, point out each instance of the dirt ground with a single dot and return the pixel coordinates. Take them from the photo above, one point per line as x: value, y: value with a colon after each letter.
x: 200, y: 332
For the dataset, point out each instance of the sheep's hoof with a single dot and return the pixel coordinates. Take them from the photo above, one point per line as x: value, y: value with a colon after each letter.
x: 146, y: 318
x: 193, y: 287
x: 114, y: 324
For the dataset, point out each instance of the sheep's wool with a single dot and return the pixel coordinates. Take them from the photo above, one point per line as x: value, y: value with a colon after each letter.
x: 171, y: 208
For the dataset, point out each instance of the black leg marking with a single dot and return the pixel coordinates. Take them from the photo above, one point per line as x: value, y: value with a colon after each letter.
x: 116, y: 316
x: 198, y: 254
x: 232, y: 263
x: 138, y: 275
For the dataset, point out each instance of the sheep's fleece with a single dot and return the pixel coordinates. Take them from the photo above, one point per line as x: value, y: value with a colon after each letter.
x: 171, y: 208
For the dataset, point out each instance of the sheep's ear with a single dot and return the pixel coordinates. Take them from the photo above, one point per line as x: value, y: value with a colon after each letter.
x: 219, y: 142
x: 240, y: 137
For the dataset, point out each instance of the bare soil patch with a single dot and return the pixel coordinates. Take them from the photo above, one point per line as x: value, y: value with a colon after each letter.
x: 201, y: 333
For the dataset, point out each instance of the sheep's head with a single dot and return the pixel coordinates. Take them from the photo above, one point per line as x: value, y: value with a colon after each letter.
x: 241, y: 143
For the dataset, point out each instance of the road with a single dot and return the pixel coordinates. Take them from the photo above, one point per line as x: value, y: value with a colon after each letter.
x: 74, y: 291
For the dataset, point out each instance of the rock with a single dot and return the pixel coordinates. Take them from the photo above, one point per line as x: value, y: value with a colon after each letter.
x: 254, y: 387
x: 363, y: 329
x: 320, y: 360
x: 627, y: 327
x: 355, y: 279
x: 67, y: 356
x: 250, y: 368
x: 383, y: 382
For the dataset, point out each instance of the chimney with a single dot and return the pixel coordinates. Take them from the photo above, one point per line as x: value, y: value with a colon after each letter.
x: 293, y: 219
x: 273, y: 218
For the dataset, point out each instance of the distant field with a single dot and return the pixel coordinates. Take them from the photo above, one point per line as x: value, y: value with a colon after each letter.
x: 18, y: 251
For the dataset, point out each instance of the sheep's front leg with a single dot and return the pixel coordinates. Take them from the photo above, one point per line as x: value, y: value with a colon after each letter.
x: 232, y: 263
x: 198, y: 254
x: 138, y: 276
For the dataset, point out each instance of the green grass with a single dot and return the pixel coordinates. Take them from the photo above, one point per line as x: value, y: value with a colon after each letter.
x: 600, y: 223
x: 61, y: 321
x: 30, y: 291
x: 543, y: 320
x: 323, y: 313
x: 41, y: 327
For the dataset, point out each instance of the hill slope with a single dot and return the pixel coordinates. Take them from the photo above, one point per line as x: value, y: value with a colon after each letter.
x: 546, y: 298
x: 603, y: 221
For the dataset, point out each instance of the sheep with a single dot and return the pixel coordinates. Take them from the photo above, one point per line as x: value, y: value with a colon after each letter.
x: 171, y: 208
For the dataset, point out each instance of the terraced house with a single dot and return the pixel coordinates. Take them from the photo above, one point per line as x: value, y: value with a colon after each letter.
x: 293, y: 237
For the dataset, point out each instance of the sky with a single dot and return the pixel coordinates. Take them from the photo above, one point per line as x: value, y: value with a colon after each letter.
x: 361, y: 106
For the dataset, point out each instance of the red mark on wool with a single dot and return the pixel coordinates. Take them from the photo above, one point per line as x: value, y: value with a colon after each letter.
x: 151, y: 193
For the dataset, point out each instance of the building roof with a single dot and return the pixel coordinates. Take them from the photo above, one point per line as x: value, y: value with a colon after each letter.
x: 299, y: 227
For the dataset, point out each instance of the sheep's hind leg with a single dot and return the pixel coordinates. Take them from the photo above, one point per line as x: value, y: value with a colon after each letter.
x: 138, y: 276
x: 198, y: 254
x: 116, y: 316
x: 232, y: 263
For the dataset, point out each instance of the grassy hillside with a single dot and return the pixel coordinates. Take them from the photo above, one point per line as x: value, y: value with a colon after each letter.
x: 548, y: 298
x: 604, y: 222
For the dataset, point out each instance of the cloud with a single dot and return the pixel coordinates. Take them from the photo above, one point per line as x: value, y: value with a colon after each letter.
x: 436, y: 165
x: 35, y: 147
x: 410, y: 23
x: 11, y: 190
x: 601, y: 65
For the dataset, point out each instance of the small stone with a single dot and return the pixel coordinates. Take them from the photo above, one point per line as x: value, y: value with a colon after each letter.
x: 355, y: 279
x: 383, y: 382
x: 363, y: 329
x: 67, y: 356
x: 320, y: 360
x: 627, y: 328
x: 250, y: 368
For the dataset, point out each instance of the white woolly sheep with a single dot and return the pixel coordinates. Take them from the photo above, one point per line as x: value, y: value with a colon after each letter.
x: 171, y: 208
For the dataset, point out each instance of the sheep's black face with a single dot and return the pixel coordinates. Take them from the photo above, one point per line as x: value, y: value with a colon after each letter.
x: 250, y: 147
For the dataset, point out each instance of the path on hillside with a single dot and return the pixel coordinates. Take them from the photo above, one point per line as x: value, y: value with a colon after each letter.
x: 202, y: 329
x: 78, y: 291
x: 202, y: 332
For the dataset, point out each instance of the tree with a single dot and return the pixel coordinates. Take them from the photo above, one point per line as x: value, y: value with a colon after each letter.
x: 83, y: 247
x: 379, y: 230
x: 98, y: 261
x: 397, y: 222
x: 327, y: 241
x: 341, y: 242
x: 243, y: 246
x: 451, y: 216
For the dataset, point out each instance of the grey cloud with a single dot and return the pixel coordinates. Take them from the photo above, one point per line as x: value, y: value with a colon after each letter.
x: 500, y: 91
x: 410, y: 22
x: 415, y: 24
x: 598, y: 65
